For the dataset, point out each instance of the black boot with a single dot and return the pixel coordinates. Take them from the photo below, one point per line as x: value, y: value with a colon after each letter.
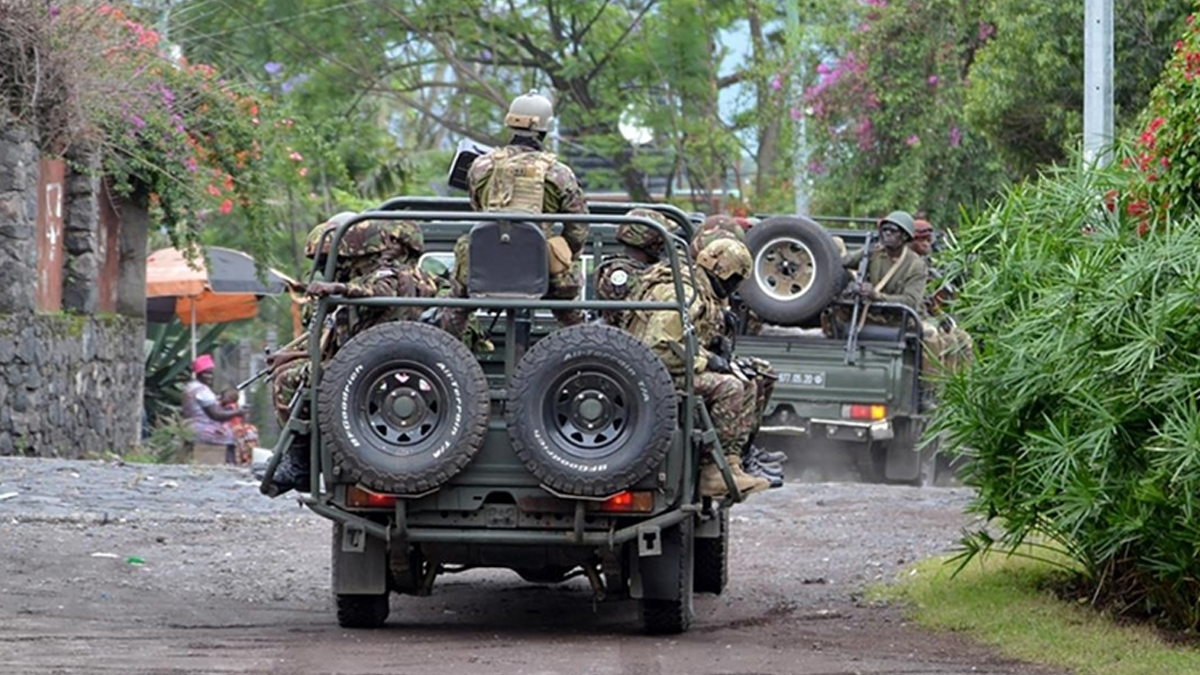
x: 294, y: 470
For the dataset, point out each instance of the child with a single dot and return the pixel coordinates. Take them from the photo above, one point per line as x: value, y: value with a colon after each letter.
x: 245, y: 435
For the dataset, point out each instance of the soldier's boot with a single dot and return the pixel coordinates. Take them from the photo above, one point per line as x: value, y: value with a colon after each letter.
x: 772, y: 473
x: 712, y: 483
x: 764, y: 456
x: 294, y: 471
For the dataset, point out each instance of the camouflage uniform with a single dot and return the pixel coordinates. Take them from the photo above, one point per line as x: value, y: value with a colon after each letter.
x: 379, y: 259
x: 619, y: 276
x: 524, y: 179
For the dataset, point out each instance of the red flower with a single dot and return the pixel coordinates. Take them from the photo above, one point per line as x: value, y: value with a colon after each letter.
x: 1137, y: 208
x: 227, y: 206
x: 1110, y: 201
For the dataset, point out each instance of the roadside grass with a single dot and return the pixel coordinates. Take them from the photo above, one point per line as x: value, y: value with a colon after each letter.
x: 1004, y: 601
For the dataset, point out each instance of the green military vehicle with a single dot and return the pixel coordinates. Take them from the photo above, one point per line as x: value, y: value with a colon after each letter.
x: 561, y: 453
x: 844, y: 392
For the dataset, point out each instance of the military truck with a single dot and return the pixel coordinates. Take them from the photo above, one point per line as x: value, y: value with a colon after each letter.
x: 562, y: 453
x: 842, y: 390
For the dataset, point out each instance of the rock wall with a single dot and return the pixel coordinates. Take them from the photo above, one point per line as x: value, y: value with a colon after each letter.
x: 70, y: 382
x: 70, y: 385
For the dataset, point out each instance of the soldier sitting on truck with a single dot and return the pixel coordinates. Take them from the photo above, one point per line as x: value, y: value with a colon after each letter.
x: 724, y: 264
x: 757, y: 372
x: 894, y: 272
x: 377, y: 259
x: 955, y: 348
x: 522, y: 177
x: 618, y: 277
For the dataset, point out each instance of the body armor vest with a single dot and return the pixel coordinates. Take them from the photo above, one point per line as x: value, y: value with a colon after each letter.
x: 518, y: 181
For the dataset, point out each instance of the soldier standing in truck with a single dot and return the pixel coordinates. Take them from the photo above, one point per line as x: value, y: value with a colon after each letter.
x: 523, y: 177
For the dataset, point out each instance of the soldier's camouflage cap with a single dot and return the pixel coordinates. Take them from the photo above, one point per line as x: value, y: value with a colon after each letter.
x: 640, y: 236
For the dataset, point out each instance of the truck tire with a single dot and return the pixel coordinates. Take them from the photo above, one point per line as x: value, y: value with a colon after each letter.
x: 796, y: 272
x: 671, y: 612
x: 712, y: 559
x: 591, y: 410
x: 404, y: 407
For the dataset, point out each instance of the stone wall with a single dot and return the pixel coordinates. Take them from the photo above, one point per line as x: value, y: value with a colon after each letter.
x: 70, y: 384
x: 70, y: 381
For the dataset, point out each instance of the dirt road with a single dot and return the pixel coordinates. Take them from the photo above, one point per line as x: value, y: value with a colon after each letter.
x: 170, y: 569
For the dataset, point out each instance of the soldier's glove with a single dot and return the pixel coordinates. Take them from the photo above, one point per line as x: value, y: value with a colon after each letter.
x: 321, y: 289
x: 730, y: 318
x: 721, y: 345
x: 718, y: 364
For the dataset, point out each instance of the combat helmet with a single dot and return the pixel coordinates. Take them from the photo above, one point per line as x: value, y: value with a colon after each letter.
x: 316, y: 234
x: 902, y: 220
x: 372, y: 237
x: 530, y: 112
x: 727, y: 262
x: 713, y: 229
x: 642, y: 237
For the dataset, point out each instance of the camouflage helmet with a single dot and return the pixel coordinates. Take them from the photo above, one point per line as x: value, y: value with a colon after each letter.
x: 642, y: 237
x: 902, y: 220
x: 705, y: 237
x: 372, y: 237
x: 315, y: 235
x: 727, y: 223
x: 725, y: 259
x: 530, y: 112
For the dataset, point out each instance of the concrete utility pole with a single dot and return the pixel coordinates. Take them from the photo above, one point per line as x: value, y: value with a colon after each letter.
x: 795, y: 43
x: 1098, y: 81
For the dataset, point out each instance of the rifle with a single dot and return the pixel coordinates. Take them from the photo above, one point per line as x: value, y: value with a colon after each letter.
x: 859, y: 303
x: 268, y: 369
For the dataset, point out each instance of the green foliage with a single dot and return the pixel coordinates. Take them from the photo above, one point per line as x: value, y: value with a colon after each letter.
x: 1026, y: 79
x: 1080, y: 411
x: 168, y: 365
x: 887, y: 128
x: 166, y: 441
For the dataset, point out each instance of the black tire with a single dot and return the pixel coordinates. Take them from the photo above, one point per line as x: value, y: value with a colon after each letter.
x: 362, y: 611
x: 796, y: 272
x: 671, y: 616
x: 712, y: 560
x: 436, y: 412
x: 591, y: 410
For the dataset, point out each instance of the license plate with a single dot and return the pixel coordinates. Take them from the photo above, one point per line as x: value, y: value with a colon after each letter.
x: 804, y: 378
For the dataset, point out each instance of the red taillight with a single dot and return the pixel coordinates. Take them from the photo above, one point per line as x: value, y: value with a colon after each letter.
x: 358, y: 497
x: 864, y: 411
x: 629, y: 502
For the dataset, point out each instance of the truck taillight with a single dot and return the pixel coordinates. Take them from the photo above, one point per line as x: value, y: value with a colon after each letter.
x: 864, y: 411
x: 629, y: 502
x: 358, y: 497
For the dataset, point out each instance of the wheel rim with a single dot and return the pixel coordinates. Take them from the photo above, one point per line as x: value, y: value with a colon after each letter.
x: 785, y: 268
x: 588, y: 413
x: 403, y: 406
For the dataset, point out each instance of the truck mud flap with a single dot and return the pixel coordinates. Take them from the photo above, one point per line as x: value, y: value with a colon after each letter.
x: 359, y: 562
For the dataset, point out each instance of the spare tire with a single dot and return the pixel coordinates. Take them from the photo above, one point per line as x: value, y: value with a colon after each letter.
x: 796, y: 272
x: 403, y: 406
x: 591, y: 410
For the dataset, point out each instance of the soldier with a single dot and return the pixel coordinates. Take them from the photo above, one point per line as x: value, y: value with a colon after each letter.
x: 618, y: 277
x: 894, y: 272
x: 522, y: 177
x: 720, y: 267
x: 378, y: 259
x: 954, y: 346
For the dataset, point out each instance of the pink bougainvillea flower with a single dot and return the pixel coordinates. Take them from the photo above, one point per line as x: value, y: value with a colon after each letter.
x: 303, y: 171
x: 955, y: 137
x: 213, y: 190
x: 296, y: 157
x: 226, y: 206
x: 796, y: 114
x: 933, y: 80
x: 912, y: 140
x: 777, y: 82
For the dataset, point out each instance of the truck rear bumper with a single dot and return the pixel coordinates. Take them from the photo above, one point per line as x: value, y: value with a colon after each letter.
x: 833, y: 429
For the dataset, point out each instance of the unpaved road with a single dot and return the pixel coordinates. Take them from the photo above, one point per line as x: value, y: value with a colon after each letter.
x: 231, y: 582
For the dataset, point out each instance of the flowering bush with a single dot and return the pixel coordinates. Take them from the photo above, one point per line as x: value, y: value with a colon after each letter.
x: 1165, y: 169
x: 172, y: 136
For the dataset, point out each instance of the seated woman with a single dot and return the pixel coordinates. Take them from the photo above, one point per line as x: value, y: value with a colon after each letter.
x: 203, y: 410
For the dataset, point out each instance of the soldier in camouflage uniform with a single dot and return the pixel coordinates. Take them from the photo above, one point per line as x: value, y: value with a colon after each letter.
x: 522, y: 177
x: 951, y: 346
x: 758, y: 461
x: 720, y: 267
x: 619, y: 276
x: 378, y: 259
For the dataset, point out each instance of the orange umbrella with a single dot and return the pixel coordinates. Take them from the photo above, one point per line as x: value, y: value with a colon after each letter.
x: 219, y: 286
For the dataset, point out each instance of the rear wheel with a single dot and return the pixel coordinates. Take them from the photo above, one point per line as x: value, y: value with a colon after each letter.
x: 362, y: 611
